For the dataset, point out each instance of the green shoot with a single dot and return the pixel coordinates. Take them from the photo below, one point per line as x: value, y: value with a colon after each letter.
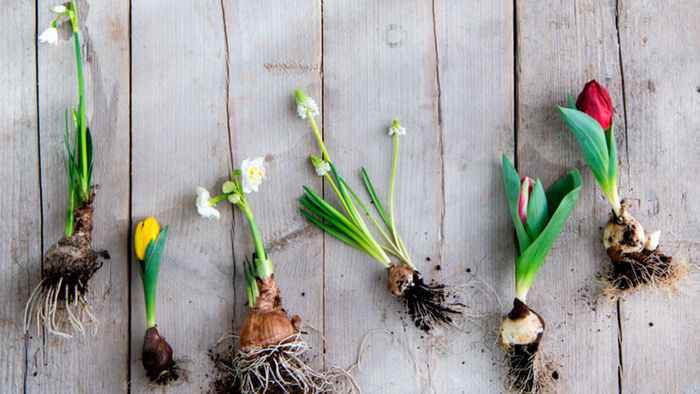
x: 536, y: 237
x: 148, y: 269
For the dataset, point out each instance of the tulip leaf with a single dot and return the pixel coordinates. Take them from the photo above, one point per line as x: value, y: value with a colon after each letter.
x: 591, y: 138
x: 565, y: 193
x: 511, y: 181
x: 572, y: 103
x: 537, y: 211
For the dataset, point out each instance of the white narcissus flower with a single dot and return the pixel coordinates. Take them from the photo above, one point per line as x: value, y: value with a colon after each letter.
x: 49, y: 36
x: 204, y: 207
x: 396, y: 128
x: 59, y: 9
x: 252, y: 174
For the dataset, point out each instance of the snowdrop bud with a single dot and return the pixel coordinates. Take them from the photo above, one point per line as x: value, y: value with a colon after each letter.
x: 396, y: 128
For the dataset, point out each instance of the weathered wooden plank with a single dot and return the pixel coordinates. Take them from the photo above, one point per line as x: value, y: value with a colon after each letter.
x: 660, y: 56
x: 20, y: 209
x: 180, y: 141
x: 379, y: 62
x: 560, y: 46
x: 266, y: 65
x: 475, y: 58
x: 88, y: 364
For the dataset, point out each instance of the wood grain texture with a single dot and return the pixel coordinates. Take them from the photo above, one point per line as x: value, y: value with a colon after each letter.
x: 266, y: 65
x: 180, y: 141
x: 20, y: 207
x: 661, y: 56
x: 74, y: 365
x: 379, y: 62
x: 561, y: 45
x: 475, y: 58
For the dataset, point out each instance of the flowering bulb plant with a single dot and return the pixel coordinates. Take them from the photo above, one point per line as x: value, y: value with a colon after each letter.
x: 270, y: 342
x: 157, y: 355
x: 634, y: 253
x: 60, y: 299
x: 426, y: 303
x: 538, y: 217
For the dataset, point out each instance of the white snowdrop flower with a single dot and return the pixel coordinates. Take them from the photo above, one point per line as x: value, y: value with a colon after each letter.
x: 321, y: 166
x: 306, y: 106
x: 204, y: 207
x: 252, y: 174
x: 396, y: 128
x: 59, y: 9
x: 49, y: 36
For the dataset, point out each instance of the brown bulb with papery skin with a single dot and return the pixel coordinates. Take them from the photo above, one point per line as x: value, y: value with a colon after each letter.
x: 399, y: 278
x: 157, y: 356
x: 267, y: 324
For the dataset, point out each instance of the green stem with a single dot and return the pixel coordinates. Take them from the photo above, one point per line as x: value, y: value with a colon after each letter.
x: 150, y: 308
x: 218, y: 198
x: 391, y: 188
x: 262, y: 264
x: 318, y: 137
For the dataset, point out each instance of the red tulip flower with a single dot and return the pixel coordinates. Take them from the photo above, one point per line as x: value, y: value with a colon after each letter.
x: 594, y: 100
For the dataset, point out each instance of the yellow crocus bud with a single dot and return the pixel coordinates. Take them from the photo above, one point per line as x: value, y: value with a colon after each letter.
x: 146, y: 232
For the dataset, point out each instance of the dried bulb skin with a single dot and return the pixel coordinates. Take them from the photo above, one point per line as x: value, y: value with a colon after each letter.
x: 522, y: 326
x: 157, y: 356
x: 268, y: 323
x: 399, y: 278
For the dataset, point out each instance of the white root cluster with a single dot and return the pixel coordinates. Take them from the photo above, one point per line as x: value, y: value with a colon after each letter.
x: 55, y: 315
x: 280, y: 366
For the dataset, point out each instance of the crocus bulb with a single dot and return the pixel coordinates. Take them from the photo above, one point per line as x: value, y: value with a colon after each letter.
x: 204, y: 207
x: 252, y: 174
x: 526, y: 185
x: 146, y: 231
x: 594, y: 100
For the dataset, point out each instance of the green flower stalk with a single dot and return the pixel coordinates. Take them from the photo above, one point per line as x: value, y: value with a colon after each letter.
x: 157, y: 355
x: 426, y: 303
x: 270, y: 342
x: 538, y: 217
x: 635, y: 255
x: 60, y: 299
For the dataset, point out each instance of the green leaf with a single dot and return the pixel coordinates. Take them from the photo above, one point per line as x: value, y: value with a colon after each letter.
x: 572, y: 103
x: 149, y: 271
x: 512, y: 184
x: 591, y: 138
x: 537, y: 213
x: 373, y: 194
x: 530, y: 261
x: 559, y: 190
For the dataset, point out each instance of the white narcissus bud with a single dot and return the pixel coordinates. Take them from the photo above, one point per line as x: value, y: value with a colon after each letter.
x: 204, y: 207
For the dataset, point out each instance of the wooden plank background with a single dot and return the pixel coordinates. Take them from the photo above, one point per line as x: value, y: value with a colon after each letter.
x: 178, y: 96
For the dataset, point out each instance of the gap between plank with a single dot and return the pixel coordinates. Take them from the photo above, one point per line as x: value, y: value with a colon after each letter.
x: 130, y: 215
x: 441, y: 142
x: 516, y: 109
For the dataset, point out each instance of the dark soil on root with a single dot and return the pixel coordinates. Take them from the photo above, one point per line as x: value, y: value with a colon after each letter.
x: 427, y: 303
x: 72, y: 261
x: 635, y: 269
x: 522, y: 368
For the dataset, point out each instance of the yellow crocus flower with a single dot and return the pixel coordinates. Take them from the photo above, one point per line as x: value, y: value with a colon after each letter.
x: 146, y: 231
